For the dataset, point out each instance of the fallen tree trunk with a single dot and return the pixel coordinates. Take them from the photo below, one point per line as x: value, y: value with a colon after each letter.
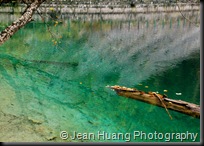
x: 19, y: 23
x: 159, y: 100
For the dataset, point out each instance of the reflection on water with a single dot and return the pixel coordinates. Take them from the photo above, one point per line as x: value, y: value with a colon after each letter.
x: 58, y: 82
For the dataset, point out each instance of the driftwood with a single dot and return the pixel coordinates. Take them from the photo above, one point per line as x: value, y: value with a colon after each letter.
x: 159, y: 100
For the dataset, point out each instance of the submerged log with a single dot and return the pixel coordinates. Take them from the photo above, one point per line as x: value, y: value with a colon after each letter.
x: 159, y: 100
x: 72, y: 64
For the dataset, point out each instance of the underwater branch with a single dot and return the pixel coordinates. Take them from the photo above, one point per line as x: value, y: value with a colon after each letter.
x: 152, y: 98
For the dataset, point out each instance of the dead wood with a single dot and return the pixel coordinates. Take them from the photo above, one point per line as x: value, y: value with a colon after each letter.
x: 159, y: 100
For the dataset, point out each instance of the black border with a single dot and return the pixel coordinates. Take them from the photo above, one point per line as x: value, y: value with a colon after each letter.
x: 201, y: 72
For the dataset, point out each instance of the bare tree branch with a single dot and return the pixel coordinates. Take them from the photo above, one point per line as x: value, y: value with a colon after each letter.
x: 54, y: 36
x: 186, y: 17
x: 19, y: 23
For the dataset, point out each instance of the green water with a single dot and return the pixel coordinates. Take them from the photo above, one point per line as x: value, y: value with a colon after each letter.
x: 67, y: 91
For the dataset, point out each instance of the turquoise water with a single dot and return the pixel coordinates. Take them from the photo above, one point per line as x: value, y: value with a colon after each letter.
x: 59, y: 80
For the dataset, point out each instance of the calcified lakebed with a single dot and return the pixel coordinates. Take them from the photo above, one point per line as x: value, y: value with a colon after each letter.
x: 54, y: 89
